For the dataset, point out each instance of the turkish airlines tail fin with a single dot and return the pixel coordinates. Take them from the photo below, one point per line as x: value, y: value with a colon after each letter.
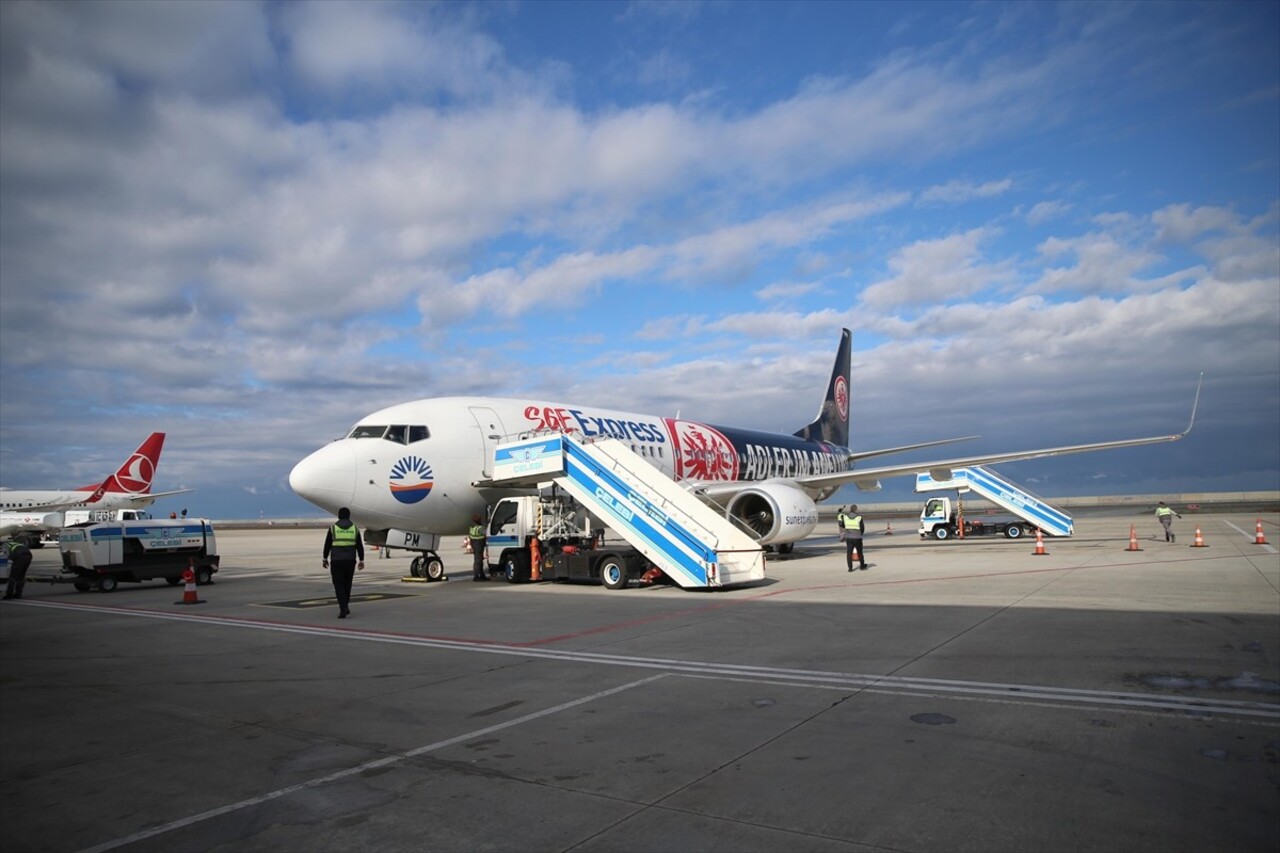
x: 832, y: 425
x: 135, y: 475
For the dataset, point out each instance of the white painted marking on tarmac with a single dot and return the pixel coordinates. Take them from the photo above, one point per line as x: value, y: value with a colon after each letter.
x: 369, y: 765
x: 1252, y: 537
x: 844, y: 680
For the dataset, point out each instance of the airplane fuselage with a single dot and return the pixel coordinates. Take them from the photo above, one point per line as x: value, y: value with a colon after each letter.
x: 423, y: 465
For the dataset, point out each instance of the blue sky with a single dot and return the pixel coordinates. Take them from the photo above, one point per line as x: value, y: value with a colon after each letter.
x: 249, y: 224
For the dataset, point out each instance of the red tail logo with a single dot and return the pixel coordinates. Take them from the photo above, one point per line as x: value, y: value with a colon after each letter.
x: 134, y: 476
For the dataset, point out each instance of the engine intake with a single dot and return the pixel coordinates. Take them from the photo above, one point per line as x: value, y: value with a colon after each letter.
x: 777, y: 514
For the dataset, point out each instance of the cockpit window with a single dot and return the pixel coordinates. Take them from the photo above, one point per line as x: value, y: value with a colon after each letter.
x: 418, y: 433
x: 367, y: 431
x: 396, y: 434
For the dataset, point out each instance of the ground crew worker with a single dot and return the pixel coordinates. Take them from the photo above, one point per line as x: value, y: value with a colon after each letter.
x: 854, y: 528
x: 19, y: 562
x: 343, y: 555
x: 477, y: 537
x: 1166, y: 514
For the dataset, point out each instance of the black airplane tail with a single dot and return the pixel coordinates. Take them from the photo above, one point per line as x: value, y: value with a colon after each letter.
x: 832, y: 425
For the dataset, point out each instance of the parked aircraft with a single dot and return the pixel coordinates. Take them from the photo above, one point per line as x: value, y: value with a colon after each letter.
x: 424, y: 466
x: 35, y: 510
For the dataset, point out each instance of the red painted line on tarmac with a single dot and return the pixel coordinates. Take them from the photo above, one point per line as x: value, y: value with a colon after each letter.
x: 601, y: 629
x: 604, y: 629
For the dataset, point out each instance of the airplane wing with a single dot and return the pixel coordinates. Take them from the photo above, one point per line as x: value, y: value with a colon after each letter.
x: 139, y: 501
x: 854, y: 456
x: 868, y: 479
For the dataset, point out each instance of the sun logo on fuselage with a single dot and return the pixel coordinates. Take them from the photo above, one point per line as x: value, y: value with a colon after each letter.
x: 411, y: 480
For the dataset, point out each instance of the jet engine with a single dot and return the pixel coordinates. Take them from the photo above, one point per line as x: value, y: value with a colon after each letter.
x: 775, y: 512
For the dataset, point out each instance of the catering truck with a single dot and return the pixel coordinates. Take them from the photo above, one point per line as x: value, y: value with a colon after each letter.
x: 99, y: 555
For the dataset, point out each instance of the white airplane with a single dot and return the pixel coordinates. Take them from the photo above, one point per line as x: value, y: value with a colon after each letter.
x: 32, y: 511
x: 424, y: 466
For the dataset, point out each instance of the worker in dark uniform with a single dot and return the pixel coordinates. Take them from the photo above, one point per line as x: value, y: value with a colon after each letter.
x: 343, y: 555
x: 19, y: 562
x: 854, y: 528
x: 477, y: 538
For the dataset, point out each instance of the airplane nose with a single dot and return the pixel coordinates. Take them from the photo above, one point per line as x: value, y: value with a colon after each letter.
x: 327, y: 477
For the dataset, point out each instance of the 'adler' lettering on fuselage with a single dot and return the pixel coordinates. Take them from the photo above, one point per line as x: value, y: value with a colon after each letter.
x: 763, y: 463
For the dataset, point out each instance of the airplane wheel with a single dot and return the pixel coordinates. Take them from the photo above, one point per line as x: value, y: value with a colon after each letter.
x: 433, y: 567
x: 415, y: 567
x: 106, y: 583
x: 613, y: 573
x: 787, y: 548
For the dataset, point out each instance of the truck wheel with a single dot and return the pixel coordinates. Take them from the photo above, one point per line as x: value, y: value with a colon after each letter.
x: 204, y: 575
x: 941, y: 533
x: 106, y: 583
x: 1013, y: 531
x: 613, y: 573
x: 83, y: 586
x: 516, y: 567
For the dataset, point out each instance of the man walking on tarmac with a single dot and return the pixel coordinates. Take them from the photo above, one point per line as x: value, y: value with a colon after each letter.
x: 19, y: 562
x: 343, y: 555
x: 477, y: 538
x: 854, y: 528
x: 1166, y: 514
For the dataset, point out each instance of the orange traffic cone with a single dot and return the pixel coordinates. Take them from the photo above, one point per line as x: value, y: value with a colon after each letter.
x: 1259, y: 538
x: 1199, y: 543
x: 189, y: 591
x: 1133, y: 539
x: 1039, y: 551
x: 888, y: 528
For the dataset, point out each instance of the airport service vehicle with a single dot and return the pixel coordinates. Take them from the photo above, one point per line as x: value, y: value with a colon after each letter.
x: 569, y: 547
x: 102, y: 554
x: 941, y: 520
x: 672, y: 533
x: 80, y: 516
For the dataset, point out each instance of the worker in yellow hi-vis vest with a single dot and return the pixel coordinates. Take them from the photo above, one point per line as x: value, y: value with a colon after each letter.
x: 1166, y: 514
x: 854, y: 528
x: 343, y: 555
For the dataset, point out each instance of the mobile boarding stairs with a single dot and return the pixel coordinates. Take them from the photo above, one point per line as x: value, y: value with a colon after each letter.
x: 693, y: 544
x: 1004, y: 494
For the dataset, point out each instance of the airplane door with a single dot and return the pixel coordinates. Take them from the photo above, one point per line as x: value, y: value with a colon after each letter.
x: 491, y: 432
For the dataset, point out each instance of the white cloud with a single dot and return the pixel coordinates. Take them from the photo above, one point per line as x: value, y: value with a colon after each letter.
x: 957, y: 192
x: 944, y: 270
x: 1045, y: 211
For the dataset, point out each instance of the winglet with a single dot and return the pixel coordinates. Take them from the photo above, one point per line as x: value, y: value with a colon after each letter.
x: 1195, y: 405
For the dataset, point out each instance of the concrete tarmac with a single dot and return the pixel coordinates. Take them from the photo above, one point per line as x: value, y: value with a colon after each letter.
x: 957, y: 696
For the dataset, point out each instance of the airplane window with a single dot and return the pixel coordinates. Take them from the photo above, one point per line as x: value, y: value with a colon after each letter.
x: 367, y: 431
x: 396, y: 434
x: 418, y: 433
